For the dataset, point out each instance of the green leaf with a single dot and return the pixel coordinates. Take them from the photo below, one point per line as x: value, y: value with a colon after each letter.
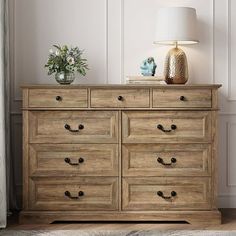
x: 57, y: 46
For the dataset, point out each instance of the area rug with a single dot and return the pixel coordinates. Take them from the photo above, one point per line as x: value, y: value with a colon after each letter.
x: 116, y: 233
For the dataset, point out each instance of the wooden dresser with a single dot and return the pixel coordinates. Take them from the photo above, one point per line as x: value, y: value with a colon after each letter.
x: 120, y: 153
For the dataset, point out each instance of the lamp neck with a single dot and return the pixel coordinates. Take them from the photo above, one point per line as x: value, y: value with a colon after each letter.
x: 176, y: 44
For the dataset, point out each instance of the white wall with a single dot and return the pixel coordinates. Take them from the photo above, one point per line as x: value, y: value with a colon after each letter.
x: 117, y: 35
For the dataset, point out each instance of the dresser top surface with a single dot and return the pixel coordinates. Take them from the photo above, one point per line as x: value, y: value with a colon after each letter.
x: 76, y: 86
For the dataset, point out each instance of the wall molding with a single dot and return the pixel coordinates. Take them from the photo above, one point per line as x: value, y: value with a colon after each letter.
x: 229, y: 31
x: 122, y: 80
x: 12, y: 52
x: 227, y: 113
x: 122, y: 41
x: 229, y: 48
x: 122, y: 75
x: 229, y: 126
x: 227, y: 195
x: 16, y: 124
x: 212, y: 7
x: 213, y: 41
x: 106, y: 40
x: 13, y: 47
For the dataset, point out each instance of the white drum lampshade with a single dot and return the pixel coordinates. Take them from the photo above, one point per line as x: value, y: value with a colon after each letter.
x: 176, y: 25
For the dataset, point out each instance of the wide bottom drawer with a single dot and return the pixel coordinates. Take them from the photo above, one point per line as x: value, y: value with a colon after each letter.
x: 166, y: 193
x: 80, y: 193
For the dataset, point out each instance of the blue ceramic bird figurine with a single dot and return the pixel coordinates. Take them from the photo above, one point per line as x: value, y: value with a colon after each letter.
x: 148, y: 67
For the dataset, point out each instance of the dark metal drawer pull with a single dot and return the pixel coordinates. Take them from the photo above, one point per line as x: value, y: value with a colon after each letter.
x: 173, y: 127
x: 160, y: 160
x: 58, y: 98
x: 80, y: 127
x: 182, y: 98
x: 68, y: 194
x: 120, y: 98
x: 161, y: 194
x: 67, y: 160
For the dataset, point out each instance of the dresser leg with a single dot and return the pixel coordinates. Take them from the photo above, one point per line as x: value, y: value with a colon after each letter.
x: 212, y: 218
x: 29, y: 219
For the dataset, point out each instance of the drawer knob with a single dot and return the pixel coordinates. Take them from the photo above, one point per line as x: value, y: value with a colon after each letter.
x: 160, y: 127
x: 58, y: 98
x: 120, y: 98
x: 68, y: 194
x: 182, y: 98
x: 67, y: 127
x: 161, y: 161
x: 172, y: 194
x: 68, y: 161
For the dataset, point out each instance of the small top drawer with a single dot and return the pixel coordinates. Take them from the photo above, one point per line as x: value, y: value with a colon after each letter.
x: 58, y: 98
x: 182, y: 98
x: 119, y: 98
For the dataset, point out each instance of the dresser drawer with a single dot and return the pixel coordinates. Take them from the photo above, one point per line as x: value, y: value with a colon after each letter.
x: 73, y: 160
x: 166, y: 193
x: 166, y: 159
x: 182, y: 98
x: 51, y: 98
x: 153, y: 126
x: 129, y: 98
x: 73, y: 194
x: 73, y: 126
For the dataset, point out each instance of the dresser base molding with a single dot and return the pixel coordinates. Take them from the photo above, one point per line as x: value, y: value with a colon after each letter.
x: 192, y: 217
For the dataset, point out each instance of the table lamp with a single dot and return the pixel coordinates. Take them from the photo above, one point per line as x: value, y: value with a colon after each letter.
x: 176, y: 26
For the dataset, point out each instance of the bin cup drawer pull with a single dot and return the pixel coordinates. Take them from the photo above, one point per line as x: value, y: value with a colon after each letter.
x: 80, y: 127
x: 161, y: 161
x: 68, y: 194
x: 172, y: 194
x: 160, y: 127
x: 68, y: 161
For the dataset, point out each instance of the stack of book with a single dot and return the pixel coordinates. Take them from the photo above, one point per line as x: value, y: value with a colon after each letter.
x: 145, y: 80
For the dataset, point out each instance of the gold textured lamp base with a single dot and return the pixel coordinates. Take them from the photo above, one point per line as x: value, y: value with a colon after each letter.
x: 176, y: 67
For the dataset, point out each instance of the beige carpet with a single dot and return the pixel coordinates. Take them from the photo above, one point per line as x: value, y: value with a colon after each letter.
x: 116, y: 233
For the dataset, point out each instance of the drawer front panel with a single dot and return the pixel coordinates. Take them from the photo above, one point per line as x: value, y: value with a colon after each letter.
x: 166, y: 193
x: 129, y: 98
x: 182, y: 98
x: 39, y: 98
x: 73, y: 194
x: 166, y: 160
x: 73, y: 126
x: 153, y: 126
x: 76, y: 160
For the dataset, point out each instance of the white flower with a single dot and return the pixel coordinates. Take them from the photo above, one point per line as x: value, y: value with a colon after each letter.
x: 51, y: 51
x: 71, y: 60
x: 57, y: 53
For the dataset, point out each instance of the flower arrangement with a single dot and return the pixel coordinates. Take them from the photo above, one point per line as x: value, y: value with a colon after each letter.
x: 65, y: 60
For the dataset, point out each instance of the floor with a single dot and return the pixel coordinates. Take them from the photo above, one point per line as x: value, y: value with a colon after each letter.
x: 228, y: 223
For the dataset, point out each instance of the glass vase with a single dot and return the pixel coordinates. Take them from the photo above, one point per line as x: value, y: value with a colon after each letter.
x: 65, y: 77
